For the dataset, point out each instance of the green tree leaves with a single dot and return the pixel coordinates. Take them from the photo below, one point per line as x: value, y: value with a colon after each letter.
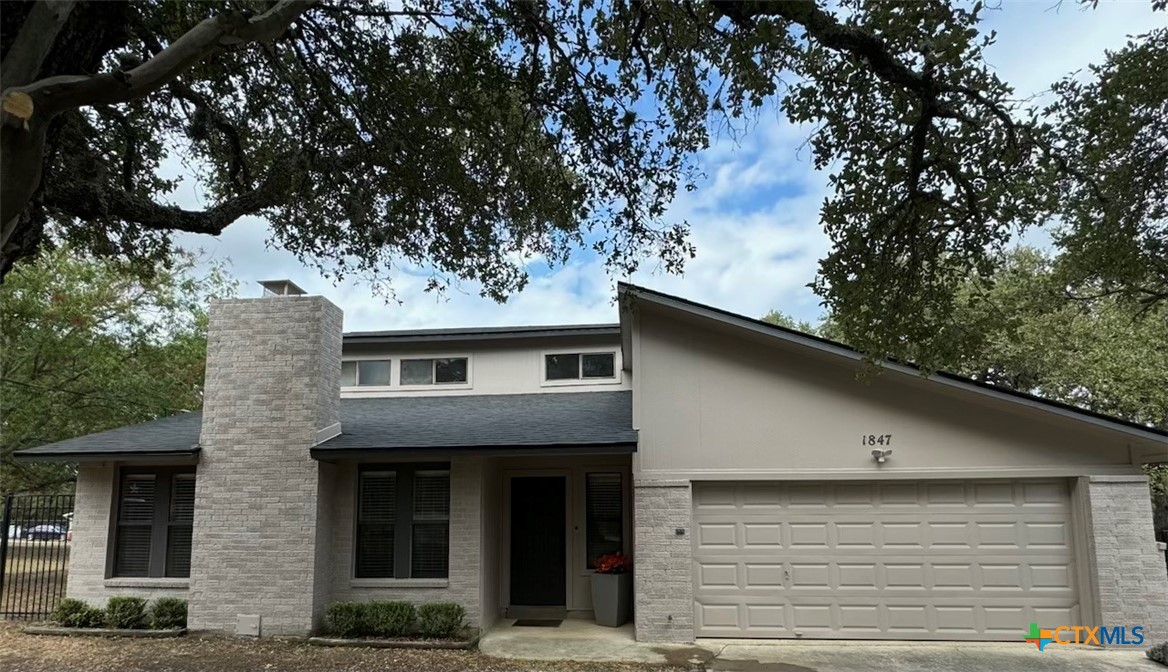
x: 90, y: 345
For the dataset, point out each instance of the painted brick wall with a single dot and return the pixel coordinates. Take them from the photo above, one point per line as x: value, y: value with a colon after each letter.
x: 273, y: 380
x: 1130, y: 580
x: 463, y: 583
x: 87, y: 552
x: 663, y: 570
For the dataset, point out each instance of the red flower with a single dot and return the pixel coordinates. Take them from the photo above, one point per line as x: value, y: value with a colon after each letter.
x: 613, y: 563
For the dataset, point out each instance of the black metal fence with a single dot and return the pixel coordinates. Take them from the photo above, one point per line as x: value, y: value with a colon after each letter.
x: 34, y: 554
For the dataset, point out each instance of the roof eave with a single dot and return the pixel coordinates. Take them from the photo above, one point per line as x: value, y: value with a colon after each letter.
x: 153, y: 456
x: 440, y: 336
x: 325, y: 454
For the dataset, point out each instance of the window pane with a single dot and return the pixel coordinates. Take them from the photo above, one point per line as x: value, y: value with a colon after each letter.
x: 348, y: 374
x: 562, y: 367
x: 430, y: 551
x: 374, y: 551
x: 432, y: 495
x: 133, y: 551
x: 178, y: 551
x: 378, y: 497
x: 373, y: 372
x: 417, y: 372
x: 598, y: 365
x: 604, y: 519
x: 376, y: 513
x: 450, y: 370
x: 137, y: 505
x: 182, y: 499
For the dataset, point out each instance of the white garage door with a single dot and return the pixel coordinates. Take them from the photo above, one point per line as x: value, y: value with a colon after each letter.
x: 882, y: 560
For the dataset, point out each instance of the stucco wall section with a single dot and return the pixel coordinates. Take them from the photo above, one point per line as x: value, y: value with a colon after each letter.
x: 663, y: 561
x: 1130, y: 584
x: 93, y: 513
x: 723, y: 405
x: 463, y: 583
x: 273, y: 376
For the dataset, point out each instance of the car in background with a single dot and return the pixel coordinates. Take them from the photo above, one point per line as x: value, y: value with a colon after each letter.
x: 45, y: 533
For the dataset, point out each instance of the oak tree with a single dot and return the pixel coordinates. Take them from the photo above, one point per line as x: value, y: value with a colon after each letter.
x: 472, y: 137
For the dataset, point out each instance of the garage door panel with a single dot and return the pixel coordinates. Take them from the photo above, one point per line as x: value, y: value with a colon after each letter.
x: 713, y: 535
x: 896, y: 619
x: 713, y: 575
x: 928, y: 560
x: 935, y: 596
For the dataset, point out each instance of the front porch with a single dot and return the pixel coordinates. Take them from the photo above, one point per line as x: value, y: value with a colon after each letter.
x: 545, y: 520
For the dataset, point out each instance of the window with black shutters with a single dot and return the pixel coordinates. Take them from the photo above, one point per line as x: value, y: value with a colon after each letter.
x: 403, y: 522
x: 155, y: 514
x: 603, y: 510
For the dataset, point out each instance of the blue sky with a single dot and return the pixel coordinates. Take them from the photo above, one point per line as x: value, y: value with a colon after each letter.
x: 754, y: 220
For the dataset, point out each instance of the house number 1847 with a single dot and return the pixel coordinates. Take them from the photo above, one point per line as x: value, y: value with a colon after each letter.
x: 876, y: 440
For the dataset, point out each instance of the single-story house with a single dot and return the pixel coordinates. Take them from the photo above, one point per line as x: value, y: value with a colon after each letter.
x: 760, y: 487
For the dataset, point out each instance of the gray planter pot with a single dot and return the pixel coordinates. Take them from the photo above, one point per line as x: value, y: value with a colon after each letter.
x: 612, y: 598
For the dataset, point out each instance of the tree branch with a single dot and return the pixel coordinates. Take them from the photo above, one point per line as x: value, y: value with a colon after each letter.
x: 239, y: 173
x: 830, y: 33
x: 23, y: 138
x: 90, y: 201
x: 37, y: 35
x: 54, y: 94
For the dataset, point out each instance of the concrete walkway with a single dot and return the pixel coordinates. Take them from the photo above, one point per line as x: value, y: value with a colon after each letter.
x: 583, y: 640
x: 920, y: 657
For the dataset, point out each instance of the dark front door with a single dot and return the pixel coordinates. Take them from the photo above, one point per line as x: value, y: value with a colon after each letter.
x: 537, y: 541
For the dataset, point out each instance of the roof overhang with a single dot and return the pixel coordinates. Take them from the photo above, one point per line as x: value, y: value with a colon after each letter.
x: 152, y: 457
x: 480, y: 334
x: 390, y: 453
x: 631, y: 295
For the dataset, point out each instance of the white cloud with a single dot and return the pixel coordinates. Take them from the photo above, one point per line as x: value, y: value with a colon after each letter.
x: 755, y: 222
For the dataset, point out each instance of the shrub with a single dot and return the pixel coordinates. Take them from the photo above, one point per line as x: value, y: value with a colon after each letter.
x: 71, y: 613
x: 440, y: 620
x: 390, y: 619
x: 345, y: 619
x: 168, y: 613
x: 1159, y: 653
x: 126, y: 613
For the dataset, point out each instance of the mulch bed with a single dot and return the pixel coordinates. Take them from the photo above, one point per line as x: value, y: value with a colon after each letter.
x: 448, y: 644
x: 196, y: 653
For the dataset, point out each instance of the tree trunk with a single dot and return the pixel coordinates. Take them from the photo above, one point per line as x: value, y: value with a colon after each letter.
x: 29, y: 106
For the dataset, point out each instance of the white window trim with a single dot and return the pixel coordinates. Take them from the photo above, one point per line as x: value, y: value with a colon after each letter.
x: 367, y: 358
x: 574, y: 382
x: 469, y: 384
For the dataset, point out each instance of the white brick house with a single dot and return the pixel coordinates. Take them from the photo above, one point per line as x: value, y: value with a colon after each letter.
x: 741, y: 464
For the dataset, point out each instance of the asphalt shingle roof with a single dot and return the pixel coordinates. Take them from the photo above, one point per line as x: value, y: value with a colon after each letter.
x: 472, y: 421
x: 545, y: 419
x: 172, y: 435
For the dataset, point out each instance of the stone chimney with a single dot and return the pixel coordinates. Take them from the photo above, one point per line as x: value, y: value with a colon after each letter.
x: 272, y: 392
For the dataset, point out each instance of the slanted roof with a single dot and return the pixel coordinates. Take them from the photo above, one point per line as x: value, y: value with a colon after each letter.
x: 597, y: 421
x: 482, y: 333
x: 176, y: 436
x: 630, y: 294
x: 521, y: 423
